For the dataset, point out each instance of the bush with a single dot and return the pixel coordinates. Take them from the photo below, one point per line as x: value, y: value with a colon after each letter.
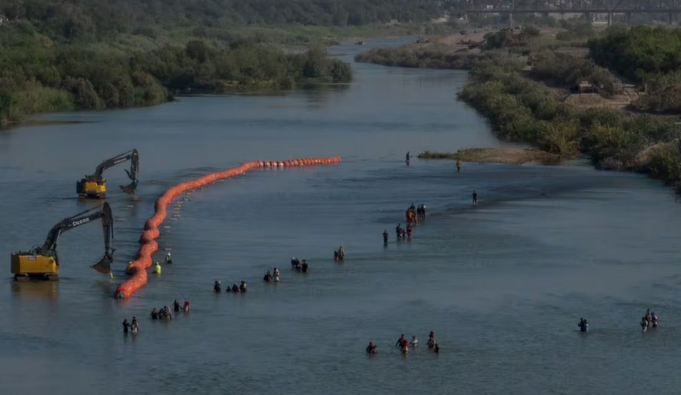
x: 568, y: 71
x: 638, y: 51
x: 665, y: 163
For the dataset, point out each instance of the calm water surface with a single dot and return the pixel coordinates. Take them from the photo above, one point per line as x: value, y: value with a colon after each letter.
x: 502, y: 284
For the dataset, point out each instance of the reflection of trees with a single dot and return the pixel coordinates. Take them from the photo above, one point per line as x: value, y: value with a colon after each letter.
x: 317, y: 97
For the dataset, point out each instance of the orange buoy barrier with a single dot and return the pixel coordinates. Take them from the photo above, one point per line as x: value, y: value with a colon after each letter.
x: 148, y: 246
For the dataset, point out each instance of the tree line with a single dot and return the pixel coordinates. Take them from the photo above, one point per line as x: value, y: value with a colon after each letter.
x: 68, y: 54
x: 97, y: 19
x: 37, y: 79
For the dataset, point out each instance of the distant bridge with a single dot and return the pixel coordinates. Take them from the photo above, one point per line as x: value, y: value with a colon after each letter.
x: 609, y: 7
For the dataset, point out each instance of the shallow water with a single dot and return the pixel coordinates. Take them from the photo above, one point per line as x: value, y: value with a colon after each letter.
x: 502, y: 284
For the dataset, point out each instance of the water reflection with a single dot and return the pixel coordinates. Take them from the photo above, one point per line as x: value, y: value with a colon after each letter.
x: 315, y: 96
x: 35, y: 289
x: 318, y: 97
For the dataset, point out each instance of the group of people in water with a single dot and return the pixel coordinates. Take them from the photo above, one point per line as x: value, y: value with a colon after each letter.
x: 648, y: 320
x: 339, y: 255
x: 131, y: 327
x: 157, y: 265
x: 235, y: 288
x: 299, y: 266
x: 583, y: 325
x: 414, y: 214
x: 400, y: 233
x: 403, y: 344
x: 269, y: 277
x: 156, y: 314
x: 165, y: 314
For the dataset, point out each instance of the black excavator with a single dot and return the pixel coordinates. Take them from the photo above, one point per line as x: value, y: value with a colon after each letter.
x: 43, y: 262
x: 94, y: 185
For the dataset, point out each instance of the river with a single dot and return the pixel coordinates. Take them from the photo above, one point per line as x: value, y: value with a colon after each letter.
x: 503, y: 284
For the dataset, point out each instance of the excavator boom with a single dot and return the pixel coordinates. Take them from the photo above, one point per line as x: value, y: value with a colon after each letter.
x: 94, y: 185
x: 43, y: 260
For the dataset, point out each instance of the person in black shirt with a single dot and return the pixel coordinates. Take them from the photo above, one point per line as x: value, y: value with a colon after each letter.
x: 372, y: 348
x: 126, y: 326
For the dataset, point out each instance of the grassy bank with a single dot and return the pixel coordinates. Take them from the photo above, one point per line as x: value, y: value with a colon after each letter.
x: 515, y: 156
x: 438, y: 56
x: 527, y: 111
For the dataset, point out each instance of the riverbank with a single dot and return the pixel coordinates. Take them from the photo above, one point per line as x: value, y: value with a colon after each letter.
x: 509, y: 85
x: 441, y: 52
x: 510, y: 156
x: 79, y: 77
x: 527, y: 111
x: 461, y: 51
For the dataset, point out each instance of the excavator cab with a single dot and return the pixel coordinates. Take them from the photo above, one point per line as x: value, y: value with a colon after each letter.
x: 27, y: 265
x: 42, y: 262
x: 91, y: 188
x: 94, y: 186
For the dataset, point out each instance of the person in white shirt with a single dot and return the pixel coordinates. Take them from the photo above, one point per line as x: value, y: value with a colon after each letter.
x: 414, y: 342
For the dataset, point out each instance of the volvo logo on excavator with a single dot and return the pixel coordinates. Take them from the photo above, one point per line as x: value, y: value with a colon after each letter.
x: 80, y: 222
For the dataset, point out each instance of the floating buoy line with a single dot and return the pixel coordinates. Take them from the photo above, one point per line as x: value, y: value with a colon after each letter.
x: 137, y: 269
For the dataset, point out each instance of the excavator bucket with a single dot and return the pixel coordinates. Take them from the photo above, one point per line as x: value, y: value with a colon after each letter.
x: 104, y: 265
x: 130, y: 189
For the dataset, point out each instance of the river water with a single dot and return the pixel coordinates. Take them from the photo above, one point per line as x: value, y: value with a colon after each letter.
x: 502, y: 284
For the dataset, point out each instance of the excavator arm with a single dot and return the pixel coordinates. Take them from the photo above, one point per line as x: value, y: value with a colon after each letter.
x: 131, y: 156
x: 49, y: 248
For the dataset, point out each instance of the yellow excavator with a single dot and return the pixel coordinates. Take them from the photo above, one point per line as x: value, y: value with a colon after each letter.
x: 42, y: 262
x: 94, y: 185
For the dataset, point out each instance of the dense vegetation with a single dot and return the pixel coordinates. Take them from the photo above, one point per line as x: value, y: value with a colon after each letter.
x: 639, y: 51
x: 508, y: 38
x: 49, y: 79
x: 97, y: 19
x: 437, y: 56
x: 526, y: 111
x: 577, y: 30
x: 651, y: 56
x: 569, y: 70
x: 94, y: 54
